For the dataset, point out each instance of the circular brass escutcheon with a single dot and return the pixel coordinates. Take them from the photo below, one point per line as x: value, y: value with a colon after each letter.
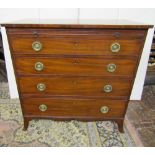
x: 42, y: 107
x: 37, y: 46
x: 111, y: 67
x: 107, y: 88
x: 115, y: 47
x: 39, y: 66
x: 41, y: 86
x: 104, y: 109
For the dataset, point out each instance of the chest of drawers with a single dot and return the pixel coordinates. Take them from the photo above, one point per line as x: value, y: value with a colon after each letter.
x: 82, y: 72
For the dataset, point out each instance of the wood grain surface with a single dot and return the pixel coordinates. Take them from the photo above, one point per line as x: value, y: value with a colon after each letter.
x: 89, y: 66
x: 126, y: 25
x: 61, y: 85
x: 74, y: 107
x: 78, y: 45
x: 75, y: 59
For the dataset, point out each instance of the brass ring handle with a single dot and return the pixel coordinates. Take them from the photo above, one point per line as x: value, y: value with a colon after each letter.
x: 42, y: 107
x: 41, y: 86
x: 39, y: 66
x: 107, y: 88
x: 115, y: 47
x: 104, y: 109
x: 36, y: 46
x: 111, y: 67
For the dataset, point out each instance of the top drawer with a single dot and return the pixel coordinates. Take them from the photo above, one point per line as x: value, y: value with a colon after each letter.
x: 76, y: 41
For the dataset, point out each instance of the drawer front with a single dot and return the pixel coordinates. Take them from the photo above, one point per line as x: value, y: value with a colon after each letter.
x: 76, y: 66
x: 105, y: 33
x: 78, y: 45
x: 74, y: 107
x: 59, y: 85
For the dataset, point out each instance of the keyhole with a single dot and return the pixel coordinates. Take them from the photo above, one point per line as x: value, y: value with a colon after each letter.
x: 74, y: 82
x: 75, y: 62
x: 76, y: 44
x: 35, y: 33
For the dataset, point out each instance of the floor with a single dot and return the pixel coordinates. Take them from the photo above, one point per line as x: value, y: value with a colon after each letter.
x: 140, y: 118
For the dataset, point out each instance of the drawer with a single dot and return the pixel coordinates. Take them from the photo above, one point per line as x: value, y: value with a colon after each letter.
x: 79, y: 42
x: 105, y: 33
x: 74, y: 46
x: 98, y: 108
x: 62, y: 85
x: 76, y: 66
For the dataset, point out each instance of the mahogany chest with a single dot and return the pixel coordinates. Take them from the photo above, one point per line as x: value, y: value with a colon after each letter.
x: 82, y: 72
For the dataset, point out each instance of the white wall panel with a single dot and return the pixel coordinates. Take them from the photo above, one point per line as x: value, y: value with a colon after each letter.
x: 8, y: 15
x: 137, y: 90
x: 59, y: 15
x: 146, y: 16
x: 98, y: 14
x: 9, y: 66
x: 140, y: 15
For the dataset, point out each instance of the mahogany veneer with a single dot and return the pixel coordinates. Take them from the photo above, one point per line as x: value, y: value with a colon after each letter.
x: 86, y: 72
